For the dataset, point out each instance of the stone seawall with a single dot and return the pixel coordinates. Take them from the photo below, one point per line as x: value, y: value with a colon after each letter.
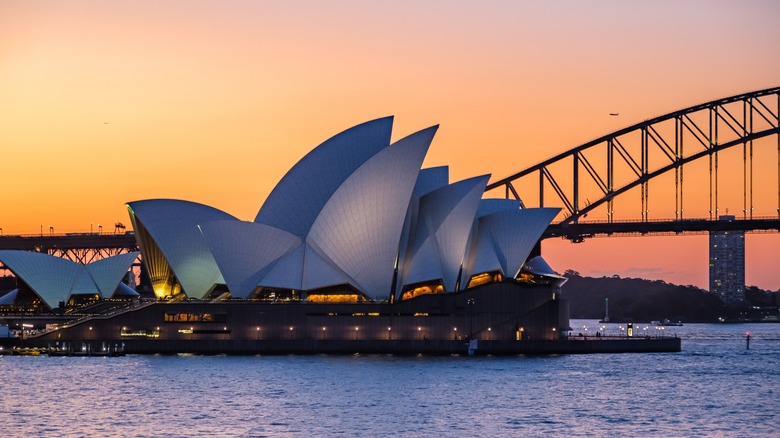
x: 398, y: 347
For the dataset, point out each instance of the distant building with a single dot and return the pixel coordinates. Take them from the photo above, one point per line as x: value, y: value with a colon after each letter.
x: 727, y: 264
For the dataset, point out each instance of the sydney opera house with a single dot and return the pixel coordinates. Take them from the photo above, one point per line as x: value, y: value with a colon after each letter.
x: 357, y: 248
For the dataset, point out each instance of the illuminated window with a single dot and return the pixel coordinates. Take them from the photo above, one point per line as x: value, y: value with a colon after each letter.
x: 485, y: 277
x: 140, y: 333
x: 195, y: 317
x: 422, y: 289
x: 334, y: 298
x: 336, y: 294
x: 276, y: 295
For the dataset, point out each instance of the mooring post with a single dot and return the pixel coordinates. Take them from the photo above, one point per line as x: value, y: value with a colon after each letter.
x: 747, y: 341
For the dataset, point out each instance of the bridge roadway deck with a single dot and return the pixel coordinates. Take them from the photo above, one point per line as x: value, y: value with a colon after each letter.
x: 582, y: 230
x: 46, y: 242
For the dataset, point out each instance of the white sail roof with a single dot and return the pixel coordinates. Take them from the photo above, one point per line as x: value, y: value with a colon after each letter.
x: 173, y: 225
x: 444, y: 224
x: 430, y: 179
x: 84, y: 285
x: 319, y: 271
x: 125, y: 290
x: 512, y: 234
x: 423, y: 265
x: 287, y: 272
x: 304, y: 268
x: 296, y: 201
x: 480, y: 254
x: 108, y: 272
x: 359, y: 229
x: 494, y: 205
x: 539, y: 266
x: 246, y: 251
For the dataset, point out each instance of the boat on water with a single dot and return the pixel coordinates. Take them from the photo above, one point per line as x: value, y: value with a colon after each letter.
x: 666, y: 323
x: 26, y: 351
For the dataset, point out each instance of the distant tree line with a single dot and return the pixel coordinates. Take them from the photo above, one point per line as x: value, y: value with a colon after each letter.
x: 636, y: 299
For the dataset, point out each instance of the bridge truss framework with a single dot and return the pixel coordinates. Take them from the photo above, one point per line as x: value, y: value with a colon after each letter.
x: 78, y: 247
x: 676, y: 139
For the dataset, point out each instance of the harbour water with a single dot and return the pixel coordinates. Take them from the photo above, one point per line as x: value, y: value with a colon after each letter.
x: 714, y: 387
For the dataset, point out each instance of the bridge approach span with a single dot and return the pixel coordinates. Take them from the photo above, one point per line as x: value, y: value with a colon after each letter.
x: 577, y: 232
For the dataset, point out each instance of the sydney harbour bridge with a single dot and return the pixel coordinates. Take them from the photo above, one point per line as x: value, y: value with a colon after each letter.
x: 705, y: 158
x: 721, y: 153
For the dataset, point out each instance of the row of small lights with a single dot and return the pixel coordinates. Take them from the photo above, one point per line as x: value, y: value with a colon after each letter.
x: 603, y: 328
x: 389, y: 328
x: 323, y: 329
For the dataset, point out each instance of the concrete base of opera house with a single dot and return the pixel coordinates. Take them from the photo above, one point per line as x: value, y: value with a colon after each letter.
x: 408, y: 347
x: 503, y: 318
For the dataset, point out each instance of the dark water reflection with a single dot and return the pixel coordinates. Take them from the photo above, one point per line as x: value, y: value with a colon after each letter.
x: 713, y: 387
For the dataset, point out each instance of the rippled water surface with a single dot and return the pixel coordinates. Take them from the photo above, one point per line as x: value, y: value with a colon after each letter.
x: 713, y: 387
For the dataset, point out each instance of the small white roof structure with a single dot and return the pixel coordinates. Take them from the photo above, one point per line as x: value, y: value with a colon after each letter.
x: 511, y: 236
x: 108, y: 272
x: 55, y: 279
x: 539, y: 266
x: 9, y: 298
x: 51, y: 278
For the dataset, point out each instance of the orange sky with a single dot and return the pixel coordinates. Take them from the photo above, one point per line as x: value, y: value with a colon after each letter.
x: 107, y: 102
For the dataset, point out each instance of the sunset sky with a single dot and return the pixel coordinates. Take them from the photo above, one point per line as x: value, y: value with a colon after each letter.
x: 106, y: 102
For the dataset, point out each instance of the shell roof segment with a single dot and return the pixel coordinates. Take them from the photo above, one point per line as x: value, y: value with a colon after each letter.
x: 246, y: 251
x: 297, y: 200
x: 9, y: 298
x: 430, y: 179
x: 444, y: 224
x: 494, y: 205
x: 512, y: 234
x: 360, y: 227
x: 173, y: 225
x: 108, y: 272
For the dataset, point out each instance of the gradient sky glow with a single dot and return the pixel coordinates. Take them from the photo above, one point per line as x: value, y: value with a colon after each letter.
x: 102, y: 103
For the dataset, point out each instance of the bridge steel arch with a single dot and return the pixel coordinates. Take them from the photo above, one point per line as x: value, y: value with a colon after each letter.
x: 699, y: 132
